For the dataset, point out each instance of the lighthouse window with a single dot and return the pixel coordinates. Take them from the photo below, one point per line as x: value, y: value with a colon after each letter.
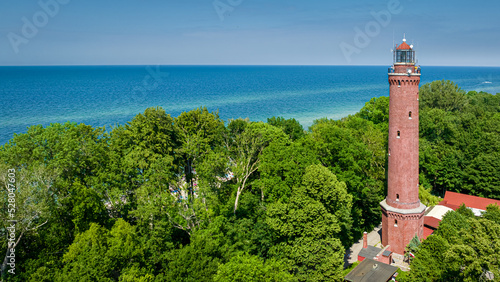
x: 417, y: 96
x: 409, y: 115
x: 399, y: 134
x: 396, y: 222
x: 399, y: 83
x: 389, y: 151
x: 397, y: 197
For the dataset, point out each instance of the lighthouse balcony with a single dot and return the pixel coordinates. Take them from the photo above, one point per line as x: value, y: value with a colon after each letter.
x: 408, y: 71
x: 404, y: 74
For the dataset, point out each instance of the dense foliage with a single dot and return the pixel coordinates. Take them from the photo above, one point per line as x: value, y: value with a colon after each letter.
x: 464, y: 248
x: 194, y: 199
x: 459, y: 140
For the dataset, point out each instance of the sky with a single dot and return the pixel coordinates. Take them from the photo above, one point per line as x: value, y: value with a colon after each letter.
x: 247, y: 32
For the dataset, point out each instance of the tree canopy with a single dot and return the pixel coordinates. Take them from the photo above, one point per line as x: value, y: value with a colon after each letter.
x: 192, y: 198
x: 464, y: 248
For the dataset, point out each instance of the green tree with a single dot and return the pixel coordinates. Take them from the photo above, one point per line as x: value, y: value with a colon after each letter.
x: 426, y: 196
x: 245, y: 144
x: 283, y: 165
x: 312, y: 259
x: 412, y: 247
x: 308, y: 227
x: 291, y: 127
x: 30, y: 192
x: 376, y: 111
x: 462, y: 249
x: 244, y: 267
x: 141, y: 166
x: 200, y: 131
x: 475, y: 253
x: 86, y: 207
x: 459, y: 140
x: 427, y: 264
x: 355, y: 152
x: 197, y: 261
x: 444, y: 95
x: 101, y: 255
x: 137, y: 154
x: 323, y: 186
x: 48, y: 161
x: 492, y: 213
x: 463, y: 210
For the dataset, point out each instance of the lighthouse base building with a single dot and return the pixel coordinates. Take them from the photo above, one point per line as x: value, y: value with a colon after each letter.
x: 399, y: 226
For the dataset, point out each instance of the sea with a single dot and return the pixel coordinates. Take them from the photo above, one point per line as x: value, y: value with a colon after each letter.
x: 113, y: 95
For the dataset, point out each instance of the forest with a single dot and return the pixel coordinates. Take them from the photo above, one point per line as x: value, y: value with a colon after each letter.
x: 463, y: 248
x: 194, y: 198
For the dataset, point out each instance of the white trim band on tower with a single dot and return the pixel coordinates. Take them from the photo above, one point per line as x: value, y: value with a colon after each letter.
x: 418, y: 210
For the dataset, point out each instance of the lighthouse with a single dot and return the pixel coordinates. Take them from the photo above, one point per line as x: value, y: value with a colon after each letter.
x: 402, y: 211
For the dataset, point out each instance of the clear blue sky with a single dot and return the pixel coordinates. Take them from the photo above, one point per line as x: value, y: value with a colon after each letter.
x: 261, y: 32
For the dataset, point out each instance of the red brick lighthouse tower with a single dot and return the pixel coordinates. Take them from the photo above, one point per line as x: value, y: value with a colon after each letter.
x: 402, y: 212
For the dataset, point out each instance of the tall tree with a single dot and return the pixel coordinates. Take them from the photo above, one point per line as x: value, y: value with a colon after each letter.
x: 354, y: 150
x: 308, y: 227
x: 245, y: 144
x: 200, y: 132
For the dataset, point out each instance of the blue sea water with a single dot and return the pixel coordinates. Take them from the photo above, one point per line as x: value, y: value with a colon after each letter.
x: 110, y: 95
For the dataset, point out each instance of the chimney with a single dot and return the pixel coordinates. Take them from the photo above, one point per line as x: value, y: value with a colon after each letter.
x: 365, y: 240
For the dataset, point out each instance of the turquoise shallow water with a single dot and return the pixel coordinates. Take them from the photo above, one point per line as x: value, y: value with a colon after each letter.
x: 108, y: 95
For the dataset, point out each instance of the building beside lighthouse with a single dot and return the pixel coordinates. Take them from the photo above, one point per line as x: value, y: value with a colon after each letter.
x: 402, y: 211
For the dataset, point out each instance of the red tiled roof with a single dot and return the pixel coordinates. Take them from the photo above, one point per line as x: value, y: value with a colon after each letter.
x: 427, y: 232
x: 456, y: 199
x: 431, y: 221
x: 404, y: 46
x: 445, y: 203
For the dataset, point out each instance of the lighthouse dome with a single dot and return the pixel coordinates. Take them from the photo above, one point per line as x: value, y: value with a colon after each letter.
x: 404, y: 46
